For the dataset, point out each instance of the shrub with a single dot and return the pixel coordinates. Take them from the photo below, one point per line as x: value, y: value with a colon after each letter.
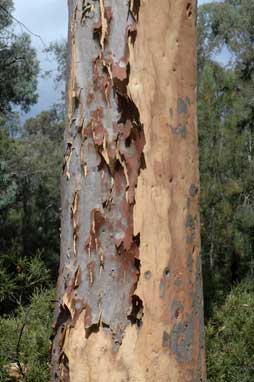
x: 31, y: 329
x: 230, y: 337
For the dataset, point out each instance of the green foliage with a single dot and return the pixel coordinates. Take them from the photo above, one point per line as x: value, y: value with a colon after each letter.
x: 31, y: 329
x: 230, y: 337
x: 226, y: 134
x: 30, y: 163
x: 8, y: 187
x: 30, y: 203
x: 5, y: 19
x: 19, y: 277
x: 18, y: 65
x: 58, y: 50
x: 18, y: 74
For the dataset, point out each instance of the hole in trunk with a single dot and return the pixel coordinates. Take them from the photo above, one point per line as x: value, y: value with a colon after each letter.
x: 136, y: 314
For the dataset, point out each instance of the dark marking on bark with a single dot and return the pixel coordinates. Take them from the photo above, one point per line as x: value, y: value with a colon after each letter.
x: 162, y: 288
x: 177, y: 310
x: 190, y: 238
x: 64, y: 371
x: 178, y: 282
x: 74, y: 217
x: 134, y: 6
x: 87, y: 10
x: 166, y: 272
x: 77, y: 278
x: 132, y: 34
x: 91, y: 267
x: 193, y: 190
x: 61, y: 371
x: 148, y: 275
x: 63, y: 317
x: 164, y: 282
x: 127, y: 109
x: 101, y: 29
x: 189, y: 10
x: 137, y: 311
x: 97, y: 221
x: 181, y: 339
x: 97, y: 126
x: 190, y: 222
x: 136, y: 240
x: 66, y: 160
x: 92, y: 329
x: 75, y: 97
x: 189, y: 262
x: 182, y: 105
x: 165, y: 339
x: 179, y: 130
x: 102, y: 77
x: 89, y: 98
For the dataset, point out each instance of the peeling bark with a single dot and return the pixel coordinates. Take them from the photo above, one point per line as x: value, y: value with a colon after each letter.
x: 129, y: 289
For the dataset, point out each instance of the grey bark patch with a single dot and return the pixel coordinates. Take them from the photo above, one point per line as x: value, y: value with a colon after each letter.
x: 179, y: 130
x: 190, y: 238
x: 104, y: 140
x: 190, y: 223
x: 181, y: 339
x: 189, y: 262
x: 162, y: 288
x: 165, y: 339
x: 182, y: 105
x: 176, y: 309
x: 178, y: 282
x: 193, y: 190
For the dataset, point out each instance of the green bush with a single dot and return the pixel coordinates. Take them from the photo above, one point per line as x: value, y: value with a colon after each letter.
x: 33, y: 352
x: 230, y: 337
x: 19, y: 278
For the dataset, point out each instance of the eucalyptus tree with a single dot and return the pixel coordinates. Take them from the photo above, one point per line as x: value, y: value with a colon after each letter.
x: 129, y: 291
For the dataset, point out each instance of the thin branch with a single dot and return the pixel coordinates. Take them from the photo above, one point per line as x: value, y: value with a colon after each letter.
x: 18, y: 345
x: 24, y: 26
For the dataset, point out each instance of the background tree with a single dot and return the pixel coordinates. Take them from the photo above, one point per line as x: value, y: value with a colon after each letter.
x: 18, y: 64
x: 226, y: 152
x: 30, y: 161
x: 30, y: 207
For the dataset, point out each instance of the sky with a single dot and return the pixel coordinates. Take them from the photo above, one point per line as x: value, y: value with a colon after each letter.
x: 47, y: 18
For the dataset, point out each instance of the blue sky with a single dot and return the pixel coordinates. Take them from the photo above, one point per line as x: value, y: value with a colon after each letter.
x: 48, y: 18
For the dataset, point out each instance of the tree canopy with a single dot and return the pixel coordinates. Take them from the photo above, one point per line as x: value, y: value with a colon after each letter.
x: 18, y: 64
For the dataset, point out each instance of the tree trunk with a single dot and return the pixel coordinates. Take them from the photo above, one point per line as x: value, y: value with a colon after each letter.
x: 129, y: 289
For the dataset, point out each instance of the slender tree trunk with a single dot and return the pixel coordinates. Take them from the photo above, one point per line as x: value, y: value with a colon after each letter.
x: 130, y: 293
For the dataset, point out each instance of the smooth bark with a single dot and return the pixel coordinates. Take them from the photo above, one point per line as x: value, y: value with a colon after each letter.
x: 130, y: 293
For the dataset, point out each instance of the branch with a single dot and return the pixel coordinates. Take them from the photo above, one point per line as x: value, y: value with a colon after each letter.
x: 24, y: 26
x: 16, y: 59
x: 18, y: 345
